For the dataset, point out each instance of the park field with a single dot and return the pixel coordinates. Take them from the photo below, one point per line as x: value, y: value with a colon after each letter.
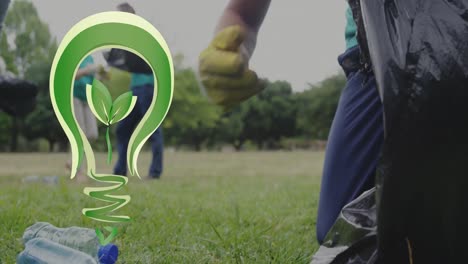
x: 209, y: 207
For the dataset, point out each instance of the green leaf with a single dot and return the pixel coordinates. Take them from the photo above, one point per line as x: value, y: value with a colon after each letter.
x: 100, y: 101
x: 122, y: 107
x: 112, y: 234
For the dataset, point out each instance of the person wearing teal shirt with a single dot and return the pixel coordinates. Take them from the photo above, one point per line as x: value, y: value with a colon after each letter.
x: 356, y: 135
x: 142, y: 86
x: 350, y: 30
x: 83, y: 114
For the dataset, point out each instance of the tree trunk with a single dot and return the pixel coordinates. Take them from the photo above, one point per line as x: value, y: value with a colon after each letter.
x: 260, y: 145
x: 197, y: 146
x: 14, y: 134
x: 238, y: 145
x: 51, y: 145
x: 63, y: 146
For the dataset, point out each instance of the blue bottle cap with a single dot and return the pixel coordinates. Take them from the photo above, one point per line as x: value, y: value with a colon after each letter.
x: 108, y: 254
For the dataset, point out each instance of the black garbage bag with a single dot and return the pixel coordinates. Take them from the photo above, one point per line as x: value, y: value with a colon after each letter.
x: 17, y: 97
x: 353, y: 237
x: 419, y: 54
x: 127, y: 61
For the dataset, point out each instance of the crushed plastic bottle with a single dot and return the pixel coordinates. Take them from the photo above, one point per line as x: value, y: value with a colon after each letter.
x: 78, y: 238
x: 82, y: 239
x: 44, y: 251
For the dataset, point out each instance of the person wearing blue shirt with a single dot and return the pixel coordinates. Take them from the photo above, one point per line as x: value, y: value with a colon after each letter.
x: 142, y: 86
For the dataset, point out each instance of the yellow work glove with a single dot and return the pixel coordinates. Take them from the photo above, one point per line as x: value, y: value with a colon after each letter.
x: 224, y: 69
x: 102, y: 73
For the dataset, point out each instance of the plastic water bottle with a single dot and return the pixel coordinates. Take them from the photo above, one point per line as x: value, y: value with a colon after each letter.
x: 53, y: 180
x: 78, y: 238
x: 44, y: 251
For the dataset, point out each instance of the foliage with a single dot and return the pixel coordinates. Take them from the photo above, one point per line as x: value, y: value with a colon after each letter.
x: 265, y: 120
x: 28, y: 49
x: 317, y: 106
x: 42, y: 123
x: 192, y: 117
x: 279, y: 113
x: 5, y: 126
x: 229, y: 129
x: 30, y: 38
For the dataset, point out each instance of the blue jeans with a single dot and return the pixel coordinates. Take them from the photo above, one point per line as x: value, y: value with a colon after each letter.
x: 126, y: 127
x: 354, y: 143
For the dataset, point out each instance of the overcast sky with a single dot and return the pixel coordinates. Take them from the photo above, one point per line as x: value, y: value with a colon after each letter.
x: 299, y: 41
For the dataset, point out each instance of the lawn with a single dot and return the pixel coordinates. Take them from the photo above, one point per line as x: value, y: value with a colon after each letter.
x: 208, y: 208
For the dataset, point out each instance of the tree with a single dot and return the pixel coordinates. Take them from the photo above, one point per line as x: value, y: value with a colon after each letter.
x: 42, y: 123
x: 283, y: 110
x: 229, y: 129
x: 27, y: 48
x: 317, y: 106
x: 257, y: 121
x: 31, y: 36
x: 7, y: 56
x: 5, y: 127
x: 269, y: 116
x: 192, y: 117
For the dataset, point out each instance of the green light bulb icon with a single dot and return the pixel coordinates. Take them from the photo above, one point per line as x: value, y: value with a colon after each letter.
x: 110, y: 30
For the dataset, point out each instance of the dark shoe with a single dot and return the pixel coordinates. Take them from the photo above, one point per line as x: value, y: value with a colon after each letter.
x: 120, y: 174
x: 154, y: 177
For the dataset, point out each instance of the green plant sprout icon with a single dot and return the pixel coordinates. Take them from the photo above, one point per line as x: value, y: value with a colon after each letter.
x: 109, y: 113
x: 109, y: 30
x: 106, y: 111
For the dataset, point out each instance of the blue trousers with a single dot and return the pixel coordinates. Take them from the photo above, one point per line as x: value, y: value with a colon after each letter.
x: 354, y: 143
x: 126, y: 127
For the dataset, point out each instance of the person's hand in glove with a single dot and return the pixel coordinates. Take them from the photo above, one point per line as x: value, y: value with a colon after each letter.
x: 224, y: 69
x: 103, y: 73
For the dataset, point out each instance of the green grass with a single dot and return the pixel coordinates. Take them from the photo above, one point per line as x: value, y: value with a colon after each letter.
x: 208, y: 208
